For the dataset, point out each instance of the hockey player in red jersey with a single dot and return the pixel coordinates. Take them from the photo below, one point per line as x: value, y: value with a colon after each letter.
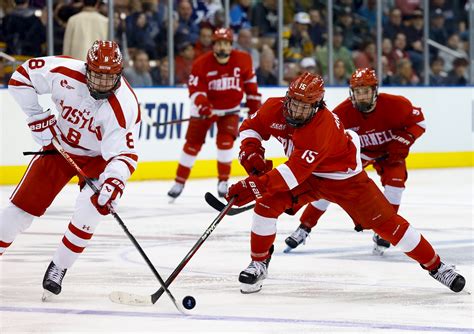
x: 96, y: 123
x: 216, y: 85
x: 387, y: 126
x: 323, y: 162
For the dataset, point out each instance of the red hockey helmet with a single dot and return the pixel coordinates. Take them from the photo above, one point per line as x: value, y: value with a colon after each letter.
x: 367, y: 95
x: 304, y: 97
x: 103, y: 69
x: 223, y: 34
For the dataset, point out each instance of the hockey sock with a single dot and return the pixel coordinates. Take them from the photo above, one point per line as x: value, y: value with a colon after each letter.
x: 260, y: 246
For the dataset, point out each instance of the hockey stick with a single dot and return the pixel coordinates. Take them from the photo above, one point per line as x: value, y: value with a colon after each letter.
x: 89, y: 182
x: 219, y: 206
x: 47, y: 152
x: 132, y: 299
x: 149, y: 121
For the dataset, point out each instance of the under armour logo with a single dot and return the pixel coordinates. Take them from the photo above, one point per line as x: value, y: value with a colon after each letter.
x: 87, y: 228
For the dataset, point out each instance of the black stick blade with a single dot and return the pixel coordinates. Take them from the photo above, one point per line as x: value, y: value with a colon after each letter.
x: 218, y: 205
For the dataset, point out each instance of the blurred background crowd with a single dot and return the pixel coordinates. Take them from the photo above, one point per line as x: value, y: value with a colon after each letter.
x: 141, y: 29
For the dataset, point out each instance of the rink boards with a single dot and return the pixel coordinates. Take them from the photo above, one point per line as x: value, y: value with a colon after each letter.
x: 448, y: 141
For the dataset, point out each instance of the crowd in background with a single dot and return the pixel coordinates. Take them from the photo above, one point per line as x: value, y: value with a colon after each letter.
x: 141, y: 31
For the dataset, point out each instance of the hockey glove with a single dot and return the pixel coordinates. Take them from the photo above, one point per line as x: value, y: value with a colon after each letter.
x: 203, y: 105
x: 109, y: 194
x: 42, y: 127
x: 246, y: 190
x: 399, y: 147
x: 254, y: 102
x: 252, y: 156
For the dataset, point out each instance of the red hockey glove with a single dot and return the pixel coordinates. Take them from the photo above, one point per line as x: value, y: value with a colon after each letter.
x: 203, y: 105
x: 109, y: 194
x: 399, y: 147
x: 252, y: 156
x: 254, y: 102
x: 42, y: 127
x: 246, y: 190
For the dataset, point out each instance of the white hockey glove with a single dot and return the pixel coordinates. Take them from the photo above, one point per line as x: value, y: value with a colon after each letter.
x: 110, y: 193
x: 42, y: 127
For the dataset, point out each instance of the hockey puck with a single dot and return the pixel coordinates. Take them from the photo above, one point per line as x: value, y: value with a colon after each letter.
x: 189, y: 302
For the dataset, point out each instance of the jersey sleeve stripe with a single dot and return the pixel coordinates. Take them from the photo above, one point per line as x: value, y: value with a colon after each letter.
x: 131, y: 168
x: 287, y: 175
x: 138, y: 104
x: 23, y: 72
x: 13, y: 82
x: 115, y: 104
x: 249, y: 133
x: 76, y: 75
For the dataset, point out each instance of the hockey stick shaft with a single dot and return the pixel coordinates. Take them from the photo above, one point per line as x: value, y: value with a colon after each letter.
x: 149, y: 121
x: 91, y: 184
x: 194, y: 249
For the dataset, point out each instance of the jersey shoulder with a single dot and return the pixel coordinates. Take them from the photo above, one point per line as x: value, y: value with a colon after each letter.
x: 344, y: 107
x: 397, y: 101
x: 124, y: 105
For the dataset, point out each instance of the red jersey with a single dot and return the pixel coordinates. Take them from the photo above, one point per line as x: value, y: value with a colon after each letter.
x: 392, y: 112
x: 321, y: 147
x: 224, y: 85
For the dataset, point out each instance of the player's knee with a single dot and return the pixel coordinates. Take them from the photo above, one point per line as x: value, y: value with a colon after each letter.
x: 225, y: 141
x: 13, y: 220
x: 192, y: 148
x: 393, y: 229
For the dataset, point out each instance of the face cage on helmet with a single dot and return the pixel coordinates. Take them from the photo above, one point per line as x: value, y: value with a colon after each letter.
x: 97, y: 80
x: 298, y: 113
x: 365, y: 108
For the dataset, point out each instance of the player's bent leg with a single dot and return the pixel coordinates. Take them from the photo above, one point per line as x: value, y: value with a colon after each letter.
x: 227, y: 129
x: 224, y: 162
x: 409, y: 240
x: 309, y: 219
x: 186, y: 162
x: 79, y: 231
x: 13, y: 221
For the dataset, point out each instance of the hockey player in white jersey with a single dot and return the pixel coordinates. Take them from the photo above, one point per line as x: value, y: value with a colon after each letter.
x: 96, y: 123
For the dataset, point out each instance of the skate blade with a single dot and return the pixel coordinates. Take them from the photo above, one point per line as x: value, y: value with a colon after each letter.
x: 171, y: 200
x: 379, y: 251
x: 47, y: 296
x: 287, y: 250
x: 250, y: 288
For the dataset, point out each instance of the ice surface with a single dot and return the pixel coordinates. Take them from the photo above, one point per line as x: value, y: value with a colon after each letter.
x: 332, y: 284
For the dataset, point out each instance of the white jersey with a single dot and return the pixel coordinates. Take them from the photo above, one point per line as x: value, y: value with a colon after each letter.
x: 88, y: 127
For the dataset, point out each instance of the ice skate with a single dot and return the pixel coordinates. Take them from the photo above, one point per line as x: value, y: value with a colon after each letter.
x: 222, y: 187
x: 175, y: 191
x: 52, y: 281
x: 297, y: 238
x: 447, y: 275
x: 380, y: 245
x: 252, y: 277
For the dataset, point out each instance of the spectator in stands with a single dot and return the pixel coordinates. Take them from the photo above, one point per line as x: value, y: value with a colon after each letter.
x: 340, y: 52
x: 387, y: 74
x: 160, y: 74
x: 141, y: 34
x: 204, y: 43
x: 239, y: 15
x: 308, y: 64
x: 244, y: 43
x: 83, y: 29
x: 317, y: 29
x: 184, y: 62
x: 350, y: 38
x: 205, y: 11
x: 437, y: 76
x: 394, y: 26
x: 369, y: 13
x: 264, y: 19
x: 405, y: 76
x: 290, y: 72
x: 139, y: 74
x: 458, y: 75
x: 407, y: 7
x: 365, y: 57
x: 62, y: 12
x: 453, y: 43
x: 447, y: 9
x: 186, y: 26
x: 438, y: 31
x: 23, y: 31
x: 340, y: 73
x: 387, y: 48
x: 399, y: 48
x: 414, y: 35
x: 297, y: 42
x: 266, y: 71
